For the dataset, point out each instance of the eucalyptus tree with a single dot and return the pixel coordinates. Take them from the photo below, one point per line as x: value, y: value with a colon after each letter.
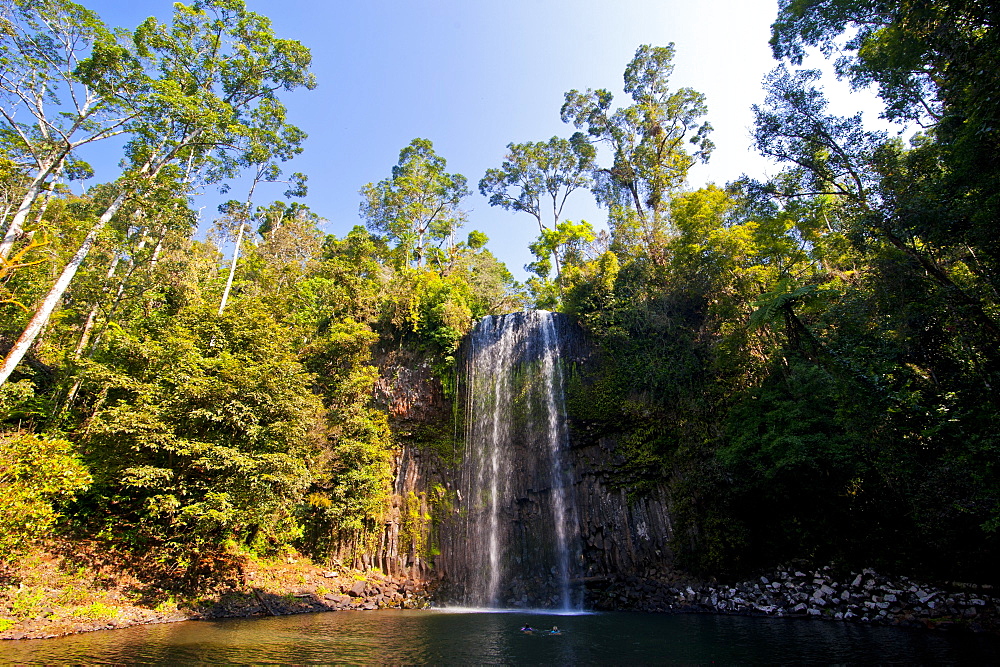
x: 647, y: 140
x: 919, y: 321
x: 921, y: 55
x: 208, y: 73
x: 291, y: 248
x: 533, y: 173
x: 418, y: 204
x: 823, y: 154
x: 66, y: 81
x: 271, y: 140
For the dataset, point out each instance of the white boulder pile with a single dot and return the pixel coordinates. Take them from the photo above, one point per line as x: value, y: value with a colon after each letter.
x: 865, y: 597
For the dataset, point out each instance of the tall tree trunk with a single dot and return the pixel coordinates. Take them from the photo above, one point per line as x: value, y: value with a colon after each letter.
x: 555, y: 250
x: 17, y: 222
x: 92, y: 316
x: 232, y: 269
x: 44, y: 311
x: 156, y: 251
x: 6, y: 212
x: 148, y: 171
x: 30, y: 196
x: 88, y: 326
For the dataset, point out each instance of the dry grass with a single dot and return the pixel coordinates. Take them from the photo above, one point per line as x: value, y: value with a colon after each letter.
x: 67, y: 586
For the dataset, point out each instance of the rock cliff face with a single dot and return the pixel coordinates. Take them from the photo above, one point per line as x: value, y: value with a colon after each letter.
x: 610, y: 535
x: 422, y: 420
x: 620, y: 536
x: 405, y: 547
x: 545, y: 469
x: 408, y: 390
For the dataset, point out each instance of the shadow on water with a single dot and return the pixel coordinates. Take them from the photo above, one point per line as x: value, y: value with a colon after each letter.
x: 453, y: 637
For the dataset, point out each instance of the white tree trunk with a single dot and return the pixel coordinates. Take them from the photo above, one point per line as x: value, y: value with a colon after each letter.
x: 17, y: 222
x: 41, y: 316
x: 6, y: 212
x: 232, y: 269
x: 88, y: 326
x: 30, y: 196
x: 156, y: 251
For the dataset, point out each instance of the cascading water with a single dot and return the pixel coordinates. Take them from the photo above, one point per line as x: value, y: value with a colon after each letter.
x: 517, y: 542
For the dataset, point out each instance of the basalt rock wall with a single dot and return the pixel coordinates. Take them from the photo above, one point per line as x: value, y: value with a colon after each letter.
x: 618, y: 535
x: 422, y: 420
x: 612, y: 534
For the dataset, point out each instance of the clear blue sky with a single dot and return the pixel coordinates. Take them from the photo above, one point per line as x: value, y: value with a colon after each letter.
x: 473, y: 76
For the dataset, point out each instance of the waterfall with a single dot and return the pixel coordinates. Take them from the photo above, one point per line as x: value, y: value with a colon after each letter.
x: 517, y: 539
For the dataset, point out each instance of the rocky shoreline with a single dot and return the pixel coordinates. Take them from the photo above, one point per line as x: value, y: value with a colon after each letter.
x: 329, y: 591
x: 862, y: 597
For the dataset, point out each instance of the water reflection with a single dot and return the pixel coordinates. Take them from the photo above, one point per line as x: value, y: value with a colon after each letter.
x: 438, y: 637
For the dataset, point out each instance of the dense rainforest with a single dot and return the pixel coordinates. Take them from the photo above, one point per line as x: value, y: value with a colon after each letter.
x: 807, y: 362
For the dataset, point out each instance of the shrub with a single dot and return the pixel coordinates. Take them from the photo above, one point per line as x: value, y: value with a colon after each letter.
x: 34, y: 472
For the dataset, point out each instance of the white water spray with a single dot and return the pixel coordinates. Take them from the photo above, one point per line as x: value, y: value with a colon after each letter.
x: 518, y: 538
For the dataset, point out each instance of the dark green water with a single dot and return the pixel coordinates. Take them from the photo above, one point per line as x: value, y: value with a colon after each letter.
x: 446, y: 638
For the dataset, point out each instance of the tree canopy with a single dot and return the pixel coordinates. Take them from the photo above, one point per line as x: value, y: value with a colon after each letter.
x: 803, y: 363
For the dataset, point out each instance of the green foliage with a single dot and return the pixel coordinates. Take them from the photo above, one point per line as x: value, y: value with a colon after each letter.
x: 26, y: 601
x: 352, y: 474
x: 203, y: 423
x: 98, y: 611
x: 796, y: 395
x: 649, y: 161
x: 569, y: 242
x: 531, y: 173
x: 436, y: 311
x: 439, y: 310
x: 245, y: 428
x: 418, y: 205
x: 35, y: 472
x: 413, y: 522
x: 805, y: 365
x: 552, y: 169
x: 438, y: 437
x: 785, y: 441
x: 15, y: 397
x: 771, y: 304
